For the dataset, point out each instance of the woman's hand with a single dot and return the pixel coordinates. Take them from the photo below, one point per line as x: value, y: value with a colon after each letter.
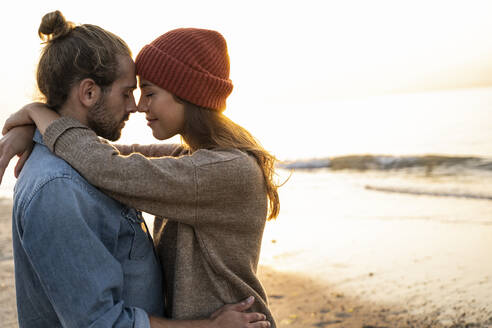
x: 18, y: 141
x: 228, y: 316
x: 233, y: 315
x: 19, y: 118
x: 33, y: 113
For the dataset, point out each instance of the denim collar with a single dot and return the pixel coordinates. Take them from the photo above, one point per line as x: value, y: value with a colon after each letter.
x: 38, y: 137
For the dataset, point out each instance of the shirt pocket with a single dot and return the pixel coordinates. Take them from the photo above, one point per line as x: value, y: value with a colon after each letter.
x: 141, y: 243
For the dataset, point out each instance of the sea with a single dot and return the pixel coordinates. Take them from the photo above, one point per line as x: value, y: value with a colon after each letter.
x: 391, y: 190
x: 398, y: 209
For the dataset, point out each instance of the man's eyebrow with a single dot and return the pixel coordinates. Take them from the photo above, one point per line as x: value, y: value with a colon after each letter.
x: 145, y: 84
x: 132, y: 87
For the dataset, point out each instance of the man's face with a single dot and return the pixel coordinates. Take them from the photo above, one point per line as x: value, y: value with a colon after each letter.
x: 107, y: 117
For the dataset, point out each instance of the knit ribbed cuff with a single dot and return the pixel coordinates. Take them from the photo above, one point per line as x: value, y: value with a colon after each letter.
x: 57, y: 128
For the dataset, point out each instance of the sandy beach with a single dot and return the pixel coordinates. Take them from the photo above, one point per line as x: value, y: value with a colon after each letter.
x: 299, y: 299
x: 8, y: 312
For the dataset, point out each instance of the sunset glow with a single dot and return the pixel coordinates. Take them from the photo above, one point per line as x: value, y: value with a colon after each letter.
x: 290, y: 62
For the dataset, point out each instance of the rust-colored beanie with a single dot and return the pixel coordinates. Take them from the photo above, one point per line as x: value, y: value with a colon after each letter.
x: 191, y: 63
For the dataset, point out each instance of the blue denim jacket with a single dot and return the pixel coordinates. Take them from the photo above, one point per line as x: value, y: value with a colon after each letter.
x: 81, y: 258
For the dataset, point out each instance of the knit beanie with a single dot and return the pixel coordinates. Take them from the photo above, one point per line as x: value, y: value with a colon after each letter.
x: 191, y: 63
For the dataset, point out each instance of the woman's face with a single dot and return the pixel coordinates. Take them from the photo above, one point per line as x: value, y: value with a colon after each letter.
x: 165, y: 116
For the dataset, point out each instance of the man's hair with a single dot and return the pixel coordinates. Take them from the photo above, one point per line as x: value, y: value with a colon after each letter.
x: 73, y: 53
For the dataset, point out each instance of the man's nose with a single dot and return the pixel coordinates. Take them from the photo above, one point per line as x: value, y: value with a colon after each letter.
x: 132, y: 106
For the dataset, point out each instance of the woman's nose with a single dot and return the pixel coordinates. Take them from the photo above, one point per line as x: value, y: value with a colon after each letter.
x: 141, y: 107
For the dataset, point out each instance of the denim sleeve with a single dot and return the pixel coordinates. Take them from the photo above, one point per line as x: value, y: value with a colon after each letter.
x: 81, y: 278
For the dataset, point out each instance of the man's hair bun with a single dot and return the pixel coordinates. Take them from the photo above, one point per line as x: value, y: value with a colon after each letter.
x: 54, y: 26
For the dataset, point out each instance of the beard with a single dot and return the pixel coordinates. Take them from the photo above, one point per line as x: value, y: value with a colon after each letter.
x: 101, y: 121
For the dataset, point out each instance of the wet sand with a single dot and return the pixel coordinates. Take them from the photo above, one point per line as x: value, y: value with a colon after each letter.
x: 8, y: 311
x: 298, y: 299
x: 384, y: 274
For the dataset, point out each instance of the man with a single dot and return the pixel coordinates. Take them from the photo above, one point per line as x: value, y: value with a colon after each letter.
x: 81, y: 258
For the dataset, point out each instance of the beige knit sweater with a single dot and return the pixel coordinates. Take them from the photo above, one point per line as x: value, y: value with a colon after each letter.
x: 215, y: 203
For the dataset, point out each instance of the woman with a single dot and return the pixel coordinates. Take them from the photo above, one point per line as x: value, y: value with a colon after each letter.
x: 215, y: 191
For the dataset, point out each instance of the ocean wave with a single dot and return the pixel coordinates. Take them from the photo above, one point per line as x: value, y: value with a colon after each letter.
x: 411, y: 191
x: 383, y: 162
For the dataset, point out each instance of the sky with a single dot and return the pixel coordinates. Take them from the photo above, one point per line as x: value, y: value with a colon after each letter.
x: 284, y: 52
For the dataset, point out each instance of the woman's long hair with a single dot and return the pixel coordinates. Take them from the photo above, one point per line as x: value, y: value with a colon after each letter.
x: 208, y: 129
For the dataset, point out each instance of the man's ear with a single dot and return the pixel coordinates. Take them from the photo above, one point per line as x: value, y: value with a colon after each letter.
x: 89, y: 92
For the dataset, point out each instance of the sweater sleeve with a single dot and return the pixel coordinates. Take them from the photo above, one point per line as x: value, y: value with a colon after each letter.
x: 163, y: 186
x: 152, y: 150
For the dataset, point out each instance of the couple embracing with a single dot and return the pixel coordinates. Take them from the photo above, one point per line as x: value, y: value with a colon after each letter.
x: 82, y: 251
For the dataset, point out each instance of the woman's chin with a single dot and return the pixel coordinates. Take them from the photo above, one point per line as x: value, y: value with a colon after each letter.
x: 158, y: 135
x: 155, y: 134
